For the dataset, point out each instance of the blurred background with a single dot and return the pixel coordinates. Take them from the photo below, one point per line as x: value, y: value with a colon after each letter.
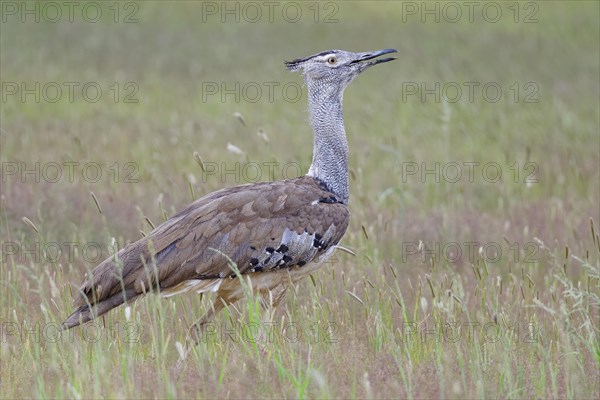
x: 104, y: 105
x: 164, y: 70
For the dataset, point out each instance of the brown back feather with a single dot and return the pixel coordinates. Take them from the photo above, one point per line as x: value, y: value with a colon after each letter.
x: 236, y: 223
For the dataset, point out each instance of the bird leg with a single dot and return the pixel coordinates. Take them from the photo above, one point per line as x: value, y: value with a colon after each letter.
x: 196, y: 330
x: 270, y: 300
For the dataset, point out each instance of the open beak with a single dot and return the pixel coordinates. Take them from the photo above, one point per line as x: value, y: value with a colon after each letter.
x: 369, y: 59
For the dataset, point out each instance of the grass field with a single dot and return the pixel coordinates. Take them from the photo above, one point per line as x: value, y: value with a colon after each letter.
x: 475, y: 190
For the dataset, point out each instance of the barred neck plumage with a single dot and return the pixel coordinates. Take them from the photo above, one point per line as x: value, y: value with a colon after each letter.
x: 330, y: 147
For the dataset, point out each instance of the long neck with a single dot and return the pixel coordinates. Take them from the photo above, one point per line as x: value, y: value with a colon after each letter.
x: 330, y: 147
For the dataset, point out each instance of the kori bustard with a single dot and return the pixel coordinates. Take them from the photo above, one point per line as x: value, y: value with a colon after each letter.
x: 270, y: 233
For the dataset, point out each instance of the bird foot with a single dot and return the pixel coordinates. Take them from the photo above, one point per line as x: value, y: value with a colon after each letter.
x: 184, y: 352
x: 192, y: 340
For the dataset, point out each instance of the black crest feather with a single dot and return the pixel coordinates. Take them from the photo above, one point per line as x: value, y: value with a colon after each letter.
x: 296, y: 64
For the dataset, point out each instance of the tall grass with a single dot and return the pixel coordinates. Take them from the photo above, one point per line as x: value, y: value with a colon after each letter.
x: 405, y: 316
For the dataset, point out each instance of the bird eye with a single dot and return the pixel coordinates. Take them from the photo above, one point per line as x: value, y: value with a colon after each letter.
x: 332, y: 60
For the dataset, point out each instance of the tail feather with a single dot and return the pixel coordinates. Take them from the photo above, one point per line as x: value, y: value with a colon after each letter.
x: 124, y: 277
x: 84, y: 313
x: 110, y: 277
x: 109, y: 285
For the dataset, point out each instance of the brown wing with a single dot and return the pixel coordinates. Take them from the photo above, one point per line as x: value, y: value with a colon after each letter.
x: 260, y: 227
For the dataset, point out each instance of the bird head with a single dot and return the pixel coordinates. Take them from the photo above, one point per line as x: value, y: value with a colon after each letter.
x: 337, y: 67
